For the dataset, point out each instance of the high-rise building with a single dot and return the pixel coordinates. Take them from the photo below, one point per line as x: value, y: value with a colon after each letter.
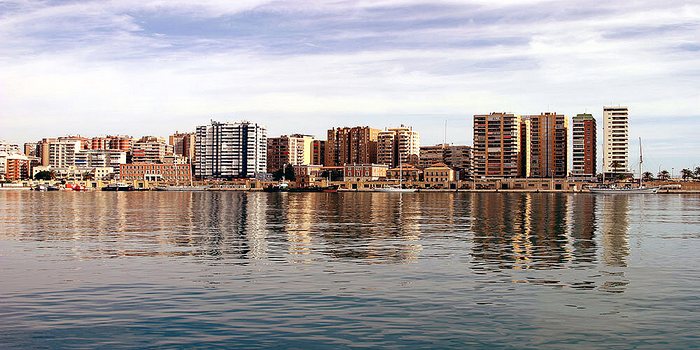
x: 398, y: 143
x: 44, y: 149
x: 84, y: 141
x: 543, y: 143
x: 31, y: 149
x: 290, y: 150
x: 615, y: 139
x: 584, y: 146
x: 183, y: 144
x: 318, y: 152
x: 230, y: 150
x: 62, y: 153
x: 100, y: 158
x: 150, y: 149
x: 496, y: 145
x: 112, y: 142
x: 357, y: 145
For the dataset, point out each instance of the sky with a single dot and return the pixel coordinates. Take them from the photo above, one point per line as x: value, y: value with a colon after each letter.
x: 151, y: 67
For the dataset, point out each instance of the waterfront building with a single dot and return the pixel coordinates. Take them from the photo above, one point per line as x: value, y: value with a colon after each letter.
x: 157, y: 172
x: 351, y: 145
x: 318, y: 152
x: 365, y: 172
x: 230, y: 150
x: 398, y: 143
x: 429, y: 155
x: 496, y: 152
x: 31, y: 149
x: 183, y: 145
x: 439, y: 175
x: 150, y: 149
x: 408, y: 172
x: 62, y: 153
x: 44, y: 147
x: 584, y: 146
x: 16, y: 167
x: 544, y: 146
x: 112, y: 142
x: 457, y: 157
x: 290, y: 150
x: 100, y: 158
x: 615, y: 139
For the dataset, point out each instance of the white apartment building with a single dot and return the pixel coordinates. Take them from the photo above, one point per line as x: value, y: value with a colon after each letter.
x: 615, y: 139
x: 62, y: 153
x: 398, y: 142
x: 99, y: 158
x: 230, y: 150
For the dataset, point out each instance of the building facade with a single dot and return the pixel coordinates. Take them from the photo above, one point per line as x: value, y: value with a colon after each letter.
x: 183, y: 145
x: 356, y: 145
x: 438, y: 174
x: 171, y: 173
x: 496, y: 152
x: 62, y: 153
x: 615, y: 139
x: 584, y: 146
x: 318, y: 152
x: 230, y: 150
x: 294, y: 149
x: 365, y: 172
x: 98, y: 158
x: 150, y: 149
x: 394, y: 144
x: 544, y: 146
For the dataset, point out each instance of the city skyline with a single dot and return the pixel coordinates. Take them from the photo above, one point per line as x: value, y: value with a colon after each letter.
x: 142, y: 68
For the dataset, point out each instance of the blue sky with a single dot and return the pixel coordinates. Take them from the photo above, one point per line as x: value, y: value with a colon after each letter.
x: 156, y: 66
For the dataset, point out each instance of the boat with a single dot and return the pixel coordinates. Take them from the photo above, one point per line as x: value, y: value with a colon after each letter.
x: 399, y: 188
x: 53, y: 188
x: 281, y: 187
x: 118, y: 187
x: 40, y: 188
x: 640, y: 189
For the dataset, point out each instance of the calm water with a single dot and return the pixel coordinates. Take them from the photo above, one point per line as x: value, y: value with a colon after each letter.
x: 311, y: 270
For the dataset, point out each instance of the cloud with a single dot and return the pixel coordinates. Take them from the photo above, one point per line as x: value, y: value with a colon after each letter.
x: 151, y: 67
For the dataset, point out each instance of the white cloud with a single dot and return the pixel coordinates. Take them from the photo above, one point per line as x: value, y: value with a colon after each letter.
x: 106, y: 74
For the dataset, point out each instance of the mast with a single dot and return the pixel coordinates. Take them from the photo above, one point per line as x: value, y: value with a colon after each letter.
x: 641, y: 160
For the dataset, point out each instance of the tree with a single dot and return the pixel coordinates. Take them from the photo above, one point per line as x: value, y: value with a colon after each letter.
x: 287, y: 172
x: 686, y: 174
x: 615, y: 165
x: 697, y: 172
x: 44, y: 175
x: 647, y: 176
x: 664, y: 175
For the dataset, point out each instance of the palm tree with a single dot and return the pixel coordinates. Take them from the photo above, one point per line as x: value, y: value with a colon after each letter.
x: 664, y: 175
x: 697, y: 172
x: 647, y: 176
x: 686, y: 174
x: 615, y: 164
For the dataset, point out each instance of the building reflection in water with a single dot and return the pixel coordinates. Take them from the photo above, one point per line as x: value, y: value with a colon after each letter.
x: 614, y: 227
x: 520, y: 231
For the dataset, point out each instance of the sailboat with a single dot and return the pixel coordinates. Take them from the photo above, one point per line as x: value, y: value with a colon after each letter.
x: 399, y: 188
x: 641, y: 189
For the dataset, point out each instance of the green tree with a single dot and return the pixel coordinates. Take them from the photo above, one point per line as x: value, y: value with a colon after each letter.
x: 615, y: 165
x: 287, y: 172
x: 697, y: 172
x: 44, y: 175
x: 686, y: 174
x: 647, y: 176
x: 664, y: 175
